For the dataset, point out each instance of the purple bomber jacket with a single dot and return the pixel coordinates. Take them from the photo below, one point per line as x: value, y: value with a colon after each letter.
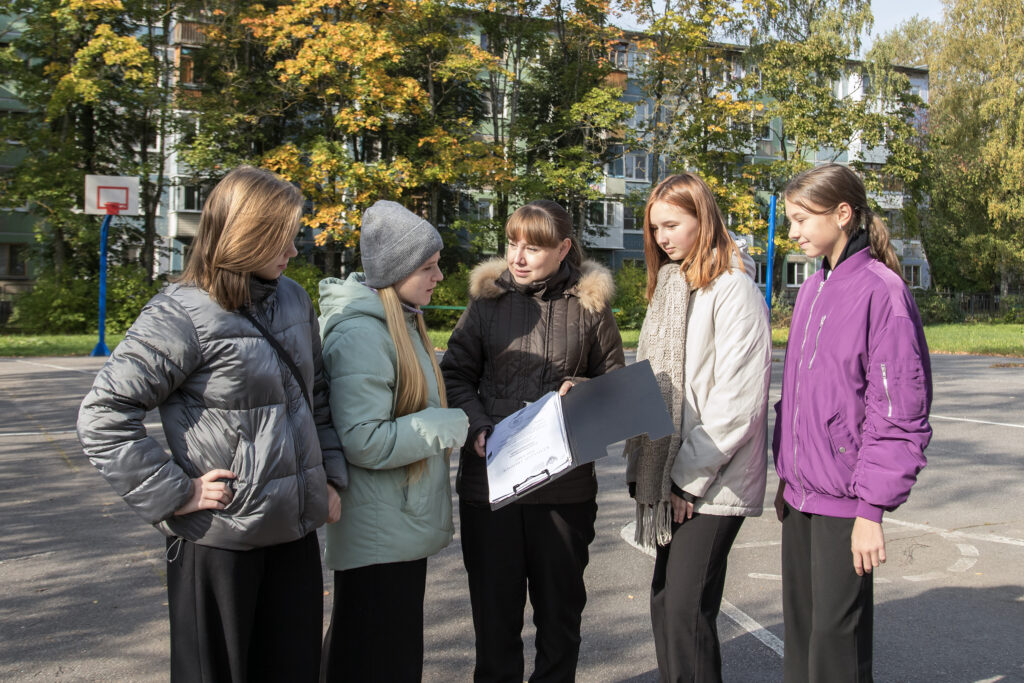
x: 852, y: 425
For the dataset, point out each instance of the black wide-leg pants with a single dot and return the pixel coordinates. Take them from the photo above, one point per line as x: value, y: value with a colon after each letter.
x: 540, y: 549
x: 376, y: 632
x: 254, y: 615
x: 828, y: 609
x: 686, y: 596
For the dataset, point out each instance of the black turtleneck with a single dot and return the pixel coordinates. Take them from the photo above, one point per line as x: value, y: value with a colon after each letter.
x: 858, y: 240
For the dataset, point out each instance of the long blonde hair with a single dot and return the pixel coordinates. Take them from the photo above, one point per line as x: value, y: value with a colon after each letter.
x: 411, y: 390
x: 247, y: 221
x: 821, y: 190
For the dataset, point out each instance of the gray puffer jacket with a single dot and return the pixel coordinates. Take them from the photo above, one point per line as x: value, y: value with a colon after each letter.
x: 226, y: 401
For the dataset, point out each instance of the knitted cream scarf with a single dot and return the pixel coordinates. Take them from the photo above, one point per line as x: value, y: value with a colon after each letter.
x: 662, y: 342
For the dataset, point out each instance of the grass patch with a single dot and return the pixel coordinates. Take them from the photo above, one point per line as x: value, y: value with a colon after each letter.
x: 986, y: 339
x: 28, y: 345
x: 980, y: 339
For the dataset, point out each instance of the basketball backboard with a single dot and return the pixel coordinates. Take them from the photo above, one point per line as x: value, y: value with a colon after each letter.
x: 111, y: 194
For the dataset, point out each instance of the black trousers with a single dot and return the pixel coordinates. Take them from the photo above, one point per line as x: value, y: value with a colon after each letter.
x: 828, y: 609
x: 376, y: 631
x: 686, y: 595
x: 253, y: 615
x: 520, y: 548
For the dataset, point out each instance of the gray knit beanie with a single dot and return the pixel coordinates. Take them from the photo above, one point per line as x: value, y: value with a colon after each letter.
x: 394, y: 242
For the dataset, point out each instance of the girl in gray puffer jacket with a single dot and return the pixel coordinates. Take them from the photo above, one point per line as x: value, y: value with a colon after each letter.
x: 229, y: 354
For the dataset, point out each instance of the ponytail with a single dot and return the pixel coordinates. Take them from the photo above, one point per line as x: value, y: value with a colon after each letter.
x: 881, y: 247
x: 410, y: 383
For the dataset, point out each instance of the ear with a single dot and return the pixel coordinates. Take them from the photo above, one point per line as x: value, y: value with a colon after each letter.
x: 563, y: 248
x: 844, y: 214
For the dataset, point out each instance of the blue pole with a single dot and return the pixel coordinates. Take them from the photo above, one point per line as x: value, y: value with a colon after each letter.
x: 101, y: 348
x: 771, y: 252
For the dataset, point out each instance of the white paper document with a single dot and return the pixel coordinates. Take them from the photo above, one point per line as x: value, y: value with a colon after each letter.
x: 528, y: 447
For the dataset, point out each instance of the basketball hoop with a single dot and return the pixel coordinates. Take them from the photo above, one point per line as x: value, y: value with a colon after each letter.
x: 111, y: 195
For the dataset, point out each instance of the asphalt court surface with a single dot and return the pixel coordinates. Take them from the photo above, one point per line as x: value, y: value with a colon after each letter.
x: 83, y: 595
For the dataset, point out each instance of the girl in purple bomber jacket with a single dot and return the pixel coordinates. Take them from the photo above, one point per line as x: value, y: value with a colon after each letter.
x: 851, y: 427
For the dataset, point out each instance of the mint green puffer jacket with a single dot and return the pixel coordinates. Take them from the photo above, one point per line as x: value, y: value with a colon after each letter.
x: 383, y: 517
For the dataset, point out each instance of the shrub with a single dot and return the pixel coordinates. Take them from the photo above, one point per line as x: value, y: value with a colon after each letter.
x: 453, y: 290
x: 309, y: 276
x: 782, y: 310
x: 937, y: 308
x: 1012, y: 308
x: 70, y: 305
x: 128, y: 290
x: 630, y: 299
x: 57, y: 305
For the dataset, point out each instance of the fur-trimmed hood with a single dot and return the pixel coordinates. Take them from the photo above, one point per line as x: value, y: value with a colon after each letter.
x: 595, y: 288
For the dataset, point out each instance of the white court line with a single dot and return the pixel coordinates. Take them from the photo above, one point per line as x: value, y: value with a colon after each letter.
x: 742, y: 619
x: 980, y: 422
x: 958, y: 534
x: 51, y: 432
x: 55, y: 367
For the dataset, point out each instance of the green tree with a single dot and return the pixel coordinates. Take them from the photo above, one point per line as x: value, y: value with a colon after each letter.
x: 822, y: 106
x: 94, y: 78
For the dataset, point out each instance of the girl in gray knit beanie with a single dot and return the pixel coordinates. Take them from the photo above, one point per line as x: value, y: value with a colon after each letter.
x: 389, y: 406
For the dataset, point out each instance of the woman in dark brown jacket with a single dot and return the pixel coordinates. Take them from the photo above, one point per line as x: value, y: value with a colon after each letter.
x: 538, y: 320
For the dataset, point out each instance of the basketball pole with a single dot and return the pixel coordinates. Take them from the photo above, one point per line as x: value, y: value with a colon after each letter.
x: 771, y: 254
x: 101, y: 347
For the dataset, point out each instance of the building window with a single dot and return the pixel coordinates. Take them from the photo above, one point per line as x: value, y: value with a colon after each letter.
x: 187, y: 67
x: 601, y: 213
x: 796, y: 273
x: 635, y: 166
x: 13, y: 260
x: 640, y: 116
x: 193, y: 197
x: 761, y: 272
x: 628, y: 218
x: 487, y: 98
x: 912, y: 274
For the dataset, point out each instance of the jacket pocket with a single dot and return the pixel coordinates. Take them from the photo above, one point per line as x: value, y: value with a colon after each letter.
x: 831, y: 472
x: 903, y: 391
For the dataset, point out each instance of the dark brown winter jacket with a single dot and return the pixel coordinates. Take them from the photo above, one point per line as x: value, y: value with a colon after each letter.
x: 513, y: 344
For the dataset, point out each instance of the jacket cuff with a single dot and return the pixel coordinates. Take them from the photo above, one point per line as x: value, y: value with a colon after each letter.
x: 685, y: 495
x: 337, y: 474
x: 869, y: 511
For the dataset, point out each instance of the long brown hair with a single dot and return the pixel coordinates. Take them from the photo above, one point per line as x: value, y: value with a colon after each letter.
x: 248, y: 219
x: 544, y: 223
x: 821, y: 190
x: 712, y: 253
x: 411, y: 383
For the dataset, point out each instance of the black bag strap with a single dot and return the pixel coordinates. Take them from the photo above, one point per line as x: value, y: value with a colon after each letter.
x: 282, y: 354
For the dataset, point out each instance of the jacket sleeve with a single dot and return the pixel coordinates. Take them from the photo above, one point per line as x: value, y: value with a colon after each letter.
x: 606, y: 353
x: 158, y: 353
x: 897, y: 401
x: 363, y: 380
x: 330, y: 444
x: 463, y: 366
x: 737, y: 403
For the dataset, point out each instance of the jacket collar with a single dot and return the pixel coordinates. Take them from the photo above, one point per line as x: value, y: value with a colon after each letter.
x: 564, y: 278
x: 849, y: 266
x: 857, y: 241
x: 260, y: 290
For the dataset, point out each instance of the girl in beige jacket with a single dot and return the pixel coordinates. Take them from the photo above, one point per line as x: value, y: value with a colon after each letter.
x: 707, y: 337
